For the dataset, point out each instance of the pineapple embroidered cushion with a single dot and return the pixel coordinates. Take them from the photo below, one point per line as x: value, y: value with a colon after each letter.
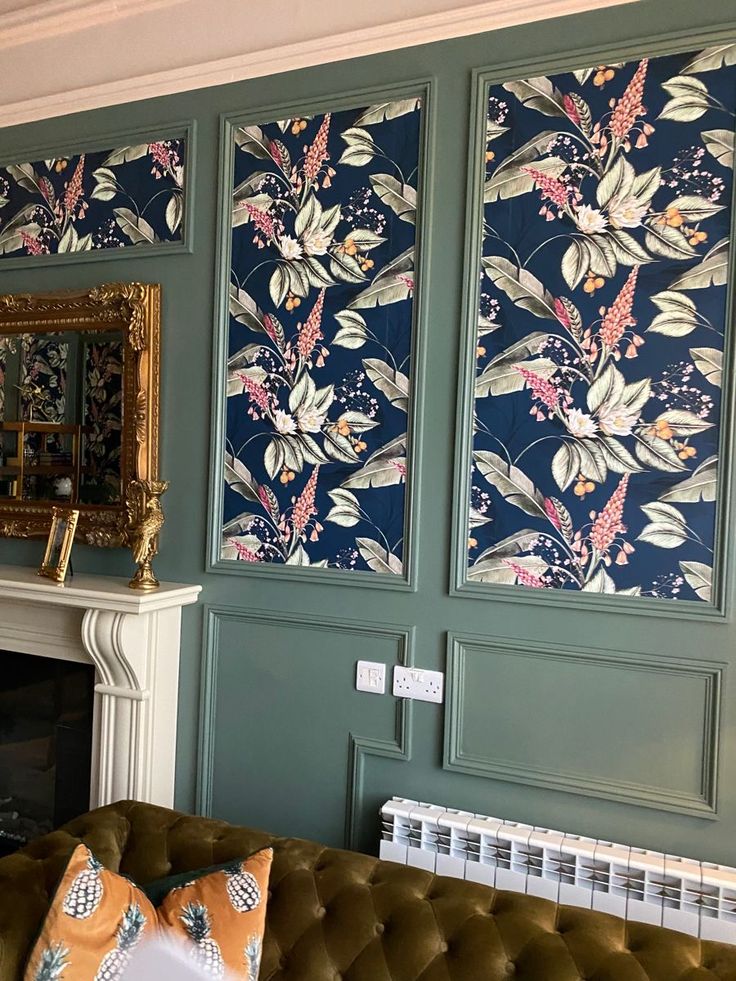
x: 98, y: 918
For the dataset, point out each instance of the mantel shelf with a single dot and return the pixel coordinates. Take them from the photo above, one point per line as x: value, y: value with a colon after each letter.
x: 92, y: 592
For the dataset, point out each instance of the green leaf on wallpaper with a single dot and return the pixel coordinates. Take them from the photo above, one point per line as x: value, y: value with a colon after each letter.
x: 385, y: 289
x: 174, y: 212
x: 125, y: 154
x: 240, y: 479
x: 346, y: 268
x: 601, y: 582
x: 476, y: 518
x: 524, y: 155
x: 494, y: 130
x: 668, y: 242
x: 720, y: 143
x: 496, y: 568
x: 616, y: 456
x: 386, y: 110
x: 565, y: 465
x: 711, y: 58
x: 626, y: 249
x: 385, y: 472
x: 616, y: 182
x: 684, y: 423
x: 136, y: 228
x: 394, y: 448
x: 360, y: 149
x: 245, y: 309
x: 699, y: 577
x: 657, y: 453
x: 510, y: 182
x: 699, y: 486
x: 345, y: 510
x: 538, y: 93
x: 667, y: 527
x: 353, y: 331
x: 709, y: 362
x: 378, y: 558
x: 251, y: 140
x: 339, y: 447
x: 365, y: 239
x: 70, y: 241
x: 391, y: 382
x: 400, y: 198
x: 106, y: 185
x: 505, y: 377
x: 712, y: 270
x: 521, y: 286
x: 593, y: 253
x: 690, y: 99
x: 694, y: 207
x: 511, y: 482
x: 678, y: 316
x: 248, y: 188
x: 25, y: 176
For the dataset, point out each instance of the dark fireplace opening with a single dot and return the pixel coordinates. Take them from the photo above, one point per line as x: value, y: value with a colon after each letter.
x: 46, y: 709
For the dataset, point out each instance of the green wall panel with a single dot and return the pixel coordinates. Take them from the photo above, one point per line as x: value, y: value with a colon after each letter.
x: 284, y: 683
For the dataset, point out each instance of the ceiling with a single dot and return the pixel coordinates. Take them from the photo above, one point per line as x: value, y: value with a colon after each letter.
x: 135, y: 49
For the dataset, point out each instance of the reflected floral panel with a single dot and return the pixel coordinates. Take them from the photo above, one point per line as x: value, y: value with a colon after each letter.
x: 606, y: 221
x: 109, y: 199
x: 320, y: 339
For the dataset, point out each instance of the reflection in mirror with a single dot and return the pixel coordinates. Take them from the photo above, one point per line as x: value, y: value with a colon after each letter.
x: 61, y: 417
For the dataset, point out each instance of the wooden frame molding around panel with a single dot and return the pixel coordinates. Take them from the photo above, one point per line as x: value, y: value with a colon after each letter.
x: 184, y: 130
x: 360, y: 747
x: 724, y: 566
x: 366, y: 96
x: 702, y: 805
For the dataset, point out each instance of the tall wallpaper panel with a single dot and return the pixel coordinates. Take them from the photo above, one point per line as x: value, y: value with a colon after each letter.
x: 319, y: 352
x: 600, y: 328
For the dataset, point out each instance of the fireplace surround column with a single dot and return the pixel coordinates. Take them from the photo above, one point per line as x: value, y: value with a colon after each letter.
x: 133, y: 641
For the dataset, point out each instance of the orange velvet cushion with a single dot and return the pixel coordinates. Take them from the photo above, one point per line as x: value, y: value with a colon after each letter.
x: 98, y: 918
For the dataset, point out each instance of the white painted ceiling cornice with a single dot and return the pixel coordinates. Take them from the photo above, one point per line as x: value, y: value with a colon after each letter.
x: 138, y: 49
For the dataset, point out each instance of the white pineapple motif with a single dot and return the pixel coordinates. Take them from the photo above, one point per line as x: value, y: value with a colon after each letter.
x: 252, y: 952
x: 242, y: 888
x: 128, y: 935
x: 52, y: 963
x: 85, y: 892
x: 196, y: 920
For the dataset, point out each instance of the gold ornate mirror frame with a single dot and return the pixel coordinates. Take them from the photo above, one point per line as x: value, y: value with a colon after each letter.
x: 135, y: 310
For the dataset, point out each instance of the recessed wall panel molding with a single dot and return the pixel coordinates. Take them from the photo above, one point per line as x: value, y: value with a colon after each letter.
x: 357, y: 728
x: 655, y: 720
x: 594, y: 436
x: 112, y: 197
x: 318, y: 369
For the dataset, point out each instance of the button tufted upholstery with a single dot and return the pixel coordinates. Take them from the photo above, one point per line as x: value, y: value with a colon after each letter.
x: 339, y: 916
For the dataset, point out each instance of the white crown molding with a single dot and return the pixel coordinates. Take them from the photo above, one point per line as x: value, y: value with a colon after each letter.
x: 52, y: 18
x: 473, y: 18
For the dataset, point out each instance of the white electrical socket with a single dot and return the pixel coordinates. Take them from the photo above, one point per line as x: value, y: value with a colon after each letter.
x: 425, y: 686
x: 371, y: 676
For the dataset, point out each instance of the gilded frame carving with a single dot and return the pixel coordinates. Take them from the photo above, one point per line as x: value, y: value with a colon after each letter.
x: 135, y: 309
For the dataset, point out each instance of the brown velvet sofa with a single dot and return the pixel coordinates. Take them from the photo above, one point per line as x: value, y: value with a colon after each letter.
x: 340, y: 916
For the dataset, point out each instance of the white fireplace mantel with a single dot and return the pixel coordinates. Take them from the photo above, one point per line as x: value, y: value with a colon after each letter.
x: 133, y: 641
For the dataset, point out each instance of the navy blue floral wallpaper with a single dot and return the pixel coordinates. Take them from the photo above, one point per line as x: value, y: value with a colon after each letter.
x: 601, y: 326
x: 321, y: 310
x: 111, y: 199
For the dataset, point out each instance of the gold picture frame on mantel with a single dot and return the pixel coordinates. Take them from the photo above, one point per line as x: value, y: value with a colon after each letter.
x: 47, y: 442
x: 59, y: 546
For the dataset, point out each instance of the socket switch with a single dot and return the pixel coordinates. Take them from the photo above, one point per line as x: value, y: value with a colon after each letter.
x: 371, y: 676
x: 418, y: 683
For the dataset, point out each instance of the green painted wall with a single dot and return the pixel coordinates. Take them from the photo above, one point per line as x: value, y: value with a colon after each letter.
x: 286, y: 742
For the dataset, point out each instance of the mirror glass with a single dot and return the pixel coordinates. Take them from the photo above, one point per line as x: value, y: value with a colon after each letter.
x: 61, y: 417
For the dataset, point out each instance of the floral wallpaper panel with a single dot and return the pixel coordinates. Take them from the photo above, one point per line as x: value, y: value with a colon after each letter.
x: 606, y: 223
x: 319, y: 373
x: 132, y: 195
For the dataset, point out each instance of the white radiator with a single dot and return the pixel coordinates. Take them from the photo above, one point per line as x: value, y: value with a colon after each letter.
x: 698, y: 898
